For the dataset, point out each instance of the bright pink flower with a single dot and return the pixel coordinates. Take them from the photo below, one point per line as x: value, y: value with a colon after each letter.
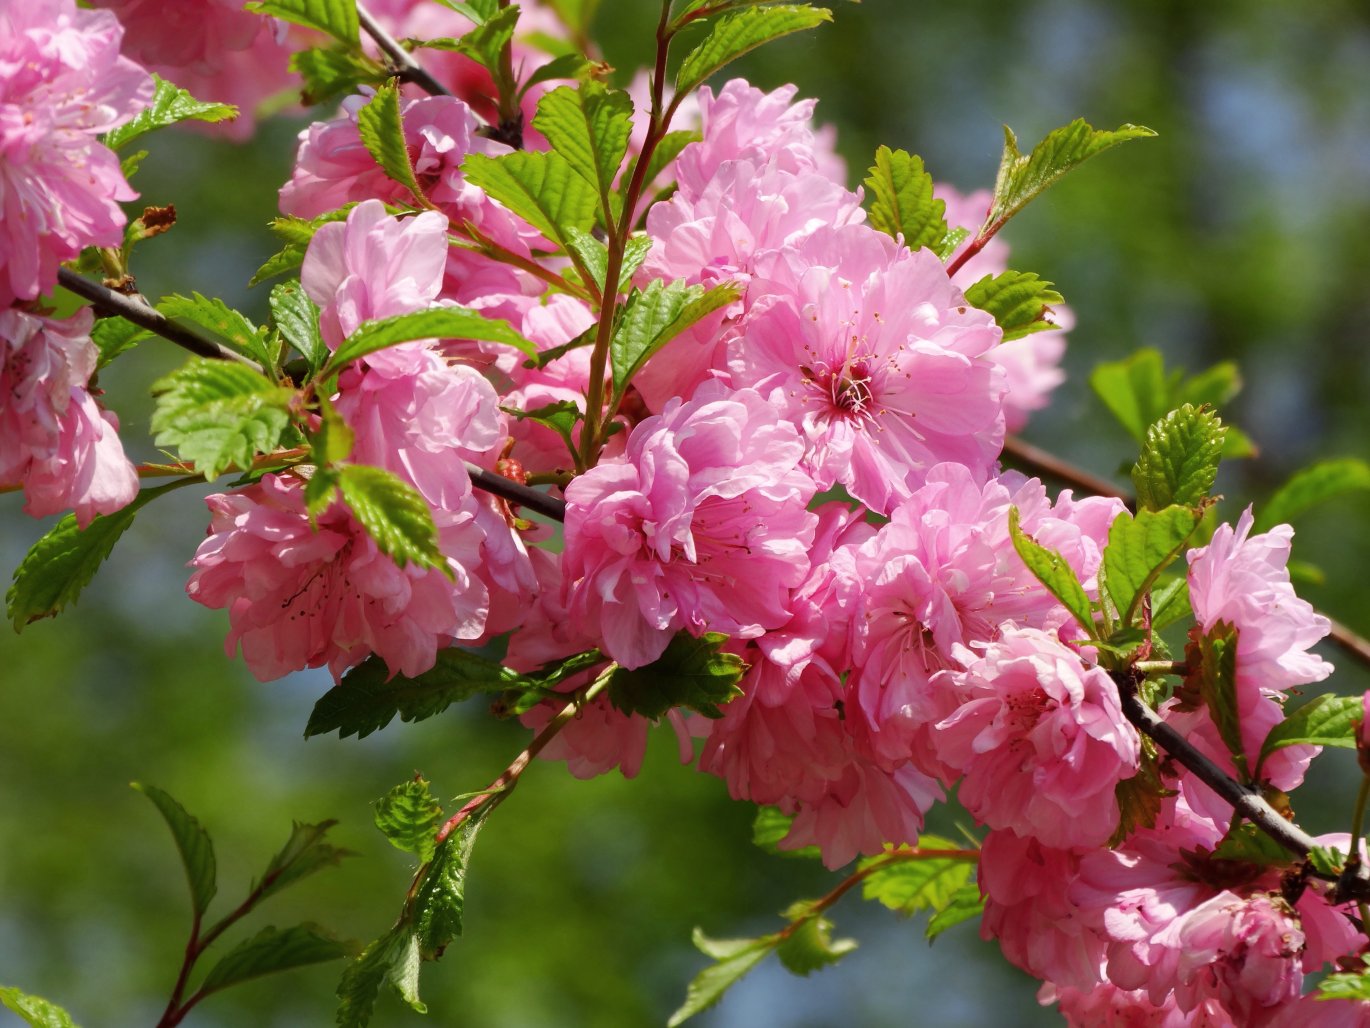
x: 1107, y: 1006
x: 1041, y: 740
x: 55, y: 439
x: 62, y: 84
x: 877, y: 358
x: 1310, y: 1011
x: 699, y: 526
x: 302, y: 596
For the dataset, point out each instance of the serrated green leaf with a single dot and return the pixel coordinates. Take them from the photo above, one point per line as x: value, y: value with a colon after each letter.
x: 218, y: 414
x: 332, y: 72
x: 770, y: 828
x: 1179, y: 460
x: 297, y: 318
x: 433, y: 323
x: 564, y: 66
x: 741, y: 33
x: 1139, y: 548
x: 810, y: 947
x: 279, y: 263
x: 1311, y: 486
x: 479, y: 11
x: 441, y: 896
x: 966, y: 904
x: 594, y: 256
x: 410, y: 817
x: 271, y: 951
x: 734, y: 958
x: 1022, y: 178
x: 1170, y: 603
x: 368, y: 699
x: 1327, y: 860
x: 1020, y: 302
x: 329, y: 446
x: 320, y: 491
x: 304, y: 853
x: 485, y: 43
x: 666, y: 151
x: 393, y: 514
x: 382, y: 131
x: 953, y: 239
x: 1249, y: 845
x: 404, y: 973
x: 36, y: 1011
x: 1325, y: 720
x: 541, y: 188
x: 1346, y: 985
x: 656, y: 315
x: 916, y: 884
x: 338, y: 18
x: 1213, y: 678
x: 361, y: 982
x: 170, y: 104
x: 589, y: 126
x: 1052, y: 570
x: 192, y: 843
x: 230, y: 327
x: 902, y: 202
x: 692, y: 672
x: 561, y: 417
x: 112, y: 336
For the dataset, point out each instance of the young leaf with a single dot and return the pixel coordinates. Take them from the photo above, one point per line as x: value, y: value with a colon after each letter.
x: 589, y: 126
x: 692, y: 672
x: 485, y: 43
x: 1021, y: 177
x: 192, y: 842
x: 296, y: 233
x: 1179, y: 460
x: 36, y: 1011
x: 1309, y: 487
x: 594, y: 256
x: 332, y: 72
x: 734, y: 958
x: 1136, y: 390
x: 1353, y: 986
x: 1139, y: 548
x: 273, y: 950
x: 393, y: 514
x: 561, y: 417
x: 222, y: 321
x: 564, y: 66
x: 770, y: 827
x: 112, y: 336
x: 1019, y: 301
x: 1327, y: 860
x: 1249, y: 845
x: 810, y: 947
x: 410, y: 817
x: 1140, y: 797
x: 741, y: 33
x: 441, y: 896
x: 919, y: 883
x: 219, y: 414
x: 1325, y: 720
x: 1213, y: 657
x: 1170, y: 603
x: 297, y: 318
x: 304, y: 853
x: 368, y: 697
x: 170, y: 104
x: 361, y: 981
x: 541, y: 188
x: 966, y: 904
x: 1051, y: 569
x: 948, y: 246
x: 433, y: 323
x: 656, y: 315
x: 382, y: 132
x: 902, y: 201
x: 338, y: 18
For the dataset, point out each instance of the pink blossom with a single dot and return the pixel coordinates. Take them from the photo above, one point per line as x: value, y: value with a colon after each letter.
x: 62, y: 84
x: 57, y: 441
x: 699, y: 526
x: 878, y: 360
x: 1311, y: 1011
x: 303, y: 596
x: 1107, y: 1006
x: 1041, y: 740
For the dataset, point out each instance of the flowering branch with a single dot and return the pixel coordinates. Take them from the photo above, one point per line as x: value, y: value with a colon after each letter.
x: 406, y: 68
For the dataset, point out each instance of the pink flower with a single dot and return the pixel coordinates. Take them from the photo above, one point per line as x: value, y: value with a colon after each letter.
x: 1107, y: 1006
x: 699, y: 526
x: 300, y: 596
x: 57, y: 441
x: 62, y: 84
x: 1041, y: 740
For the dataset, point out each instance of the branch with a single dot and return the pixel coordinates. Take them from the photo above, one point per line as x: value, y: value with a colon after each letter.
x: 406, y: 67
x: 514, y: 492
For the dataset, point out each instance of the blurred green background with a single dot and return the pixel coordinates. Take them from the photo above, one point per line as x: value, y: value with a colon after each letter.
x: 1241, y: 232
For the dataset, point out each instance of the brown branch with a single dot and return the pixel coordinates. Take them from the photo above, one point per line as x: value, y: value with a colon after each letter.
x: 403, y: 61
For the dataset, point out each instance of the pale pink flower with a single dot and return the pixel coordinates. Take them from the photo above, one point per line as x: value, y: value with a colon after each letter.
x: 55, y: 440
x: 62, y: 84
x: 1041, y: 740
x: 303, y: 596
x: 699, y: 526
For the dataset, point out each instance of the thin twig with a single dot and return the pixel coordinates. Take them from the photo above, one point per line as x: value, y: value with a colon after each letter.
x: 408, y: 69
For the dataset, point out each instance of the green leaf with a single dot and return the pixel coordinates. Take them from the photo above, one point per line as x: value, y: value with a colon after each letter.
x: 741, y: 33
x: 382, y: 132
x: 36, y: 1011
x: 1345, y: 985
x: 1136, y: 390
x: 1311, y: 486
x: 433, y: 323
x: 297, y: 318
x: 1179, y: 460
x: 1325, y: 720
x: 902, y: 201
x: 361, y: 981
x: 656, y: 315
x: 332, y: 72
x: 410, y: 817
x: 224, y: 323
x: 368, y: 699
x: 296, y: 234
x: 440, y: 899
x: 218, y: 414
x: 918, y: 883
x: 1327, y: 860
x: 1170, y: 603
x: 734, y: 958
x: 1051, y: 569
x: 192, y: 842
x: 561, y: 417
x: 1139, y: 548
x: 1020, y: 302
x: 170, y: 104
x: 271, y: 951
x: 304, y: 853
x: 485, y: 43
x: 112, y: 336
x: 59, y: 565
x: 953, y: 239
x: 338, y: 18
x: 565, y: 66
x: 1140, y: 797
x: 810, y: 947
x: 966, y: 904
x: 1249, y: 845
x: 594, y: 255
x: 1213, y: 657
x: 692, y: 673
x: 541, y: 188
x: 770, y: 827
x: 479, y: 11
x: 394, y: 515
x: 589, y: 126
x: 1022, y: 178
